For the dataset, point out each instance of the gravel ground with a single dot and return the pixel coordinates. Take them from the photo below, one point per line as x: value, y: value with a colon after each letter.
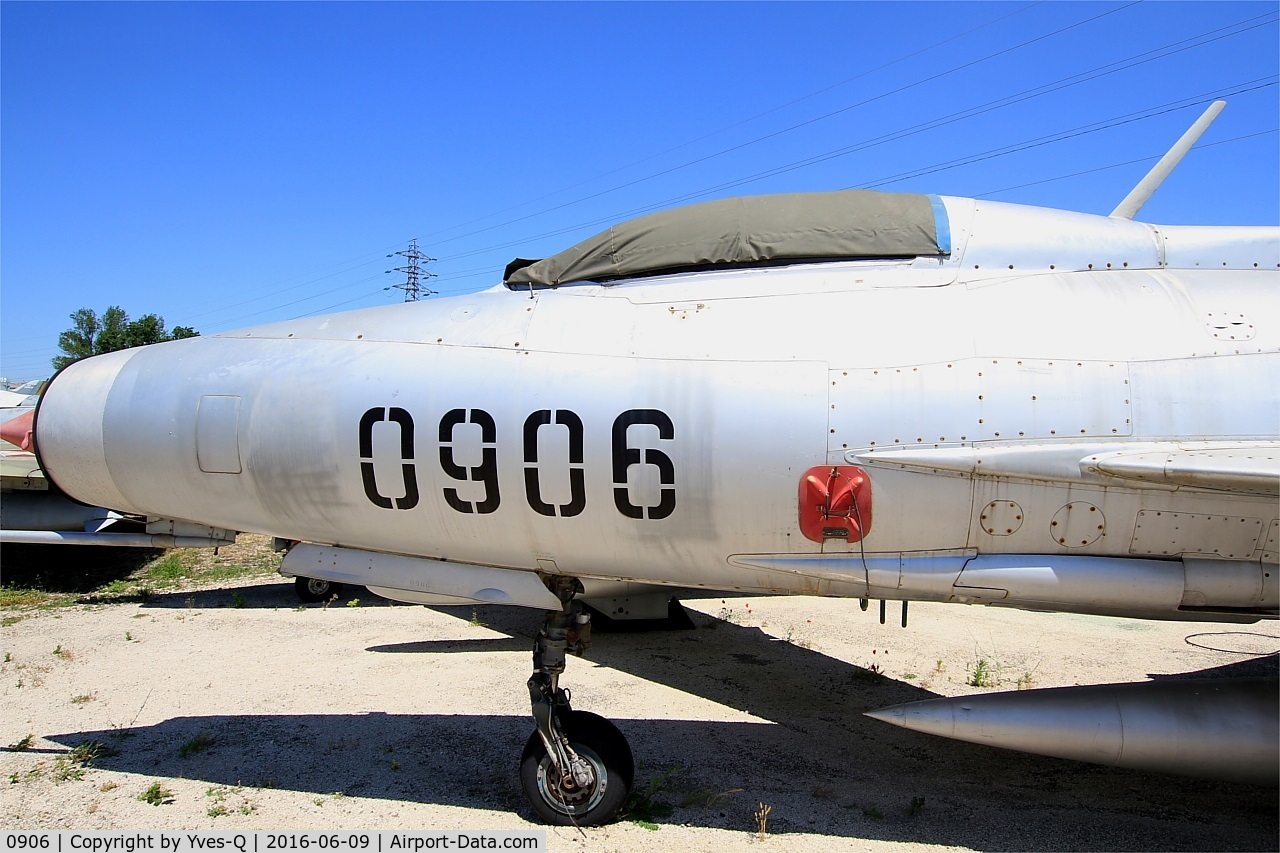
x: 256, y: 713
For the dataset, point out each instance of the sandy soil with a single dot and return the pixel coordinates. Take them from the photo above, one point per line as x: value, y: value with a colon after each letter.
x: 256, y: 713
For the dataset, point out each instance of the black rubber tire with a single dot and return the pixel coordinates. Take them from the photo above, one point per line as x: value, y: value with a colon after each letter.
x: 599, y: 742
x: 314, y: 589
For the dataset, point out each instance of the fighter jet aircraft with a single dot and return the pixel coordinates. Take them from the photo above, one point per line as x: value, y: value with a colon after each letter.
x: 871, y: 395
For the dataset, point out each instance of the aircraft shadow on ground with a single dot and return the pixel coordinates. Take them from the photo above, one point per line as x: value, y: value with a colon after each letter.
x: 822, y: 766
x: 266, y: 596
x: 70, y: 568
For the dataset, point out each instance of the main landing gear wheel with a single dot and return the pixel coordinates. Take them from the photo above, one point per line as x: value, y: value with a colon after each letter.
x: 576, y: 768
x: 558, y: 798
x: 314, y: 589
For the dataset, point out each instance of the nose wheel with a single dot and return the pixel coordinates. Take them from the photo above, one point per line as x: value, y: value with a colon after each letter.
x: 595, y: 790
x: 576, y: 768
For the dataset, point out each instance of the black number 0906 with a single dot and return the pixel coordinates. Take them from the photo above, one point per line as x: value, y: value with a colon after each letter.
x: 486, y: 473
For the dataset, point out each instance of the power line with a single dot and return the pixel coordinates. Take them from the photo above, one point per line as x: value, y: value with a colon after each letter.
x: 355, y: 264
x: 924, y: 50
x: 891, y: 137
x: 806, y: 123
x: 1146, y: 159
x: 973, y: 111
x: 1040, y: 141
x: 242, y: 317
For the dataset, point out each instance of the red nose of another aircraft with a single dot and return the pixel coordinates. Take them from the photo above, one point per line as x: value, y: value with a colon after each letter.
x: 18, y: 431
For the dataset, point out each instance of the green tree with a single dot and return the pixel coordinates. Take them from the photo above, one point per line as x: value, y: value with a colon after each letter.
x: 147, y: 329
x: 78, y: 341
x: 113, y: 331
x: 94, y: 335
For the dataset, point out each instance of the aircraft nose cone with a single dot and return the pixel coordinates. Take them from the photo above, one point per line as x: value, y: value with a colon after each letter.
x: 70, y: 438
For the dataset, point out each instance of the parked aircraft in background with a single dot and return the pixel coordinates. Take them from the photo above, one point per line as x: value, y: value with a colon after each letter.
x: 860, y: 394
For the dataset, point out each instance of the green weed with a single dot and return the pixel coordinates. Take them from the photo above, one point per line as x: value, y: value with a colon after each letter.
x: 198, y: 743
x: 156, y: 795
x: 71, y: 766
x: 92, y: 750
x: 983, y: 674
x: 66, y: 770
x: 643, y: 808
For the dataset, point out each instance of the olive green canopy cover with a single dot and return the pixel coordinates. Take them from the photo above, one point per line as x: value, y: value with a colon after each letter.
x: 748, y: 230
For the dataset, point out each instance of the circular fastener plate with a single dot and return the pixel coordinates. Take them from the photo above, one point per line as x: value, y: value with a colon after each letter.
x: 1077, y: 524
x: 1001, y: 518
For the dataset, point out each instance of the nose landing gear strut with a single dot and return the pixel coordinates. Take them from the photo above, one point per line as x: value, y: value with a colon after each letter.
x: 576, y: 768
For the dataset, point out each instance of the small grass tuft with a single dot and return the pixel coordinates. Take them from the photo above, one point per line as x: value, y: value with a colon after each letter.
x: 643, y: 808
x: 92, y: 750
x: 762, y: 820
x: 983, y: 674
x: 156, y: 795
x: 199, y: 743
x: 23, y: 744
x: 66, y: 770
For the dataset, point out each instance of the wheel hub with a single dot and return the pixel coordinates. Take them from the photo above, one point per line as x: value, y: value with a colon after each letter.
x: 564, y: 793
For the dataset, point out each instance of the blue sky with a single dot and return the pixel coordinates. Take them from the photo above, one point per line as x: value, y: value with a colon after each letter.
x: 230, y: 164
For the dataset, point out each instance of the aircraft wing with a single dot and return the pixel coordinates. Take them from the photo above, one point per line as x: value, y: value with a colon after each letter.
x: 1253, y: 469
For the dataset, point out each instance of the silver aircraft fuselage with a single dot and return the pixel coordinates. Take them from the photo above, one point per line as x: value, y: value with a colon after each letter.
x: 1059, y: 411
x: 1016, y: 398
